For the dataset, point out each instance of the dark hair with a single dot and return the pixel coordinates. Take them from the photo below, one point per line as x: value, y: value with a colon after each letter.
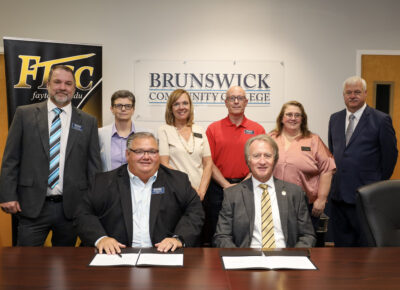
x: 63, y: 67
x: 123, y: 94
x: 303, y: 126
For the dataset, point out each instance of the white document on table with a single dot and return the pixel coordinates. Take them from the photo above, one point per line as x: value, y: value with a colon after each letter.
x: 267, y: 262
x: 162, y: 259
x: 128, y: 259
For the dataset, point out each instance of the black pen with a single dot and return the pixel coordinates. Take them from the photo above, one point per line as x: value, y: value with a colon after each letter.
x: 119, y: 255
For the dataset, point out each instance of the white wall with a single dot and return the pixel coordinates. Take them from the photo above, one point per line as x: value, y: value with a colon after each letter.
x: 317, y: 39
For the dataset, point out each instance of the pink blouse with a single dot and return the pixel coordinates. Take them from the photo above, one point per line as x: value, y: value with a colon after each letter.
x: 303, y: 163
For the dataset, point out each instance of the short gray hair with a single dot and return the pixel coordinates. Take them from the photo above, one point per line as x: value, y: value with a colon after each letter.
x: 139, y: 135
x: 264, y: 138
x: 354, y: 80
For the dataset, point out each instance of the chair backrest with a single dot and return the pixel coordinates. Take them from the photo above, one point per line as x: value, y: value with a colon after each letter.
x: 378, y: 207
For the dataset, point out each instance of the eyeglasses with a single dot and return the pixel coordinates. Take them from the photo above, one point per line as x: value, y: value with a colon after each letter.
x: 184, y: 103
x: 293, y: 115
x: 120, y: 106
x: 356, y: 92
x: 140, y: 152
x: 232, y: 99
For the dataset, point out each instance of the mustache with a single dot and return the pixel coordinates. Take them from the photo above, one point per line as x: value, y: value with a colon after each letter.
x: 61, y: 92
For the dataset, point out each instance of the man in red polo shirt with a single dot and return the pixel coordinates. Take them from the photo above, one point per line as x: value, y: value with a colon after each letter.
x: 227, y: 138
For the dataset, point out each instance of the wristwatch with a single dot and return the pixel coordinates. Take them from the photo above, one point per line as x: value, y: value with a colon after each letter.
x: 179, y: 238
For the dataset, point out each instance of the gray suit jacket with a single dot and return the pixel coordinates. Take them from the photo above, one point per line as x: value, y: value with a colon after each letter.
x: 236, y: 219
x: 25, y: 167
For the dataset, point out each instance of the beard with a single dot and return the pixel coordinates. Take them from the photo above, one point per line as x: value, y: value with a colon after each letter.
x: 61, y: 99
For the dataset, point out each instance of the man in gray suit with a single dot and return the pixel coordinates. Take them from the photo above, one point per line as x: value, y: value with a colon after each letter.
x: 43, y: 183
x: 262, y: 211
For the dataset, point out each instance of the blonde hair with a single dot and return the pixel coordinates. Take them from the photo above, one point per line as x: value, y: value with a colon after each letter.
x: 173, y: 97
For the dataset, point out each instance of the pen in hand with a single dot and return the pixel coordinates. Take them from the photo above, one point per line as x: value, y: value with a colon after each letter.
x: 119, y: 255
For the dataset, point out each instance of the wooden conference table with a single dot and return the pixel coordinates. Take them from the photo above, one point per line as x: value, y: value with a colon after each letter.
x: 67, y: 268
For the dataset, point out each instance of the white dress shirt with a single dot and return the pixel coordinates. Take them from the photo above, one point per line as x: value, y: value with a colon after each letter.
x: 357, y: 116
x: 256, y: 240
x: 65, y: 117
x: 141, y: 196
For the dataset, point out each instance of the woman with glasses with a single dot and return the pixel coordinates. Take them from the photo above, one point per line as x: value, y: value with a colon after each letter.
x: 183, y: 145
x: 303, y: 158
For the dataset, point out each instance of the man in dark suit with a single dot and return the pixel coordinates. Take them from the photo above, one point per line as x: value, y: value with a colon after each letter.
x: 142, y: 204
x: 262, y: 211
x: 363, y: 142
x: 42, y: 183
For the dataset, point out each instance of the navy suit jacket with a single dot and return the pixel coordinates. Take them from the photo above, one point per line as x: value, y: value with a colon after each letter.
x: 370, y: 155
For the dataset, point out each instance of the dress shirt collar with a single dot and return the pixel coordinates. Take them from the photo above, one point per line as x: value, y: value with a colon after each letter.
x: 357, y: 113
x: 134, y: 178
x: 114, y: 129
x: 67, y: 109
x: 270, y: 182
x: 228, y: 122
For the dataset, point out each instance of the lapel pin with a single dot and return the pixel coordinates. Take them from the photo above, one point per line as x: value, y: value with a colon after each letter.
x: 283, y: 192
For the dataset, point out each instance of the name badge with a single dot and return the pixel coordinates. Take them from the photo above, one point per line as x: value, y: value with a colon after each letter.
x: 249, y: 132
x: 77, y: 127
x: 305, y: 148
x: 197, y: 135
x: 158, y: 190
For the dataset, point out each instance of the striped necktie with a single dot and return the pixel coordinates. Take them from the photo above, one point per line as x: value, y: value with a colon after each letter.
x: 267, y: 223
x: 55, y: 137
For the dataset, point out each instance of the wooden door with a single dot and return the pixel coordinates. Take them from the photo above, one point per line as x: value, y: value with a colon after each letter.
x: 384, y: 69
x: 5, y: 219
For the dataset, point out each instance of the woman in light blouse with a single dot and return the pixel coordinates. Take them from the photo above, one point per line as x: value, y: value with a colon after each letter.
x: 303, y: 158
x: 183, y: 145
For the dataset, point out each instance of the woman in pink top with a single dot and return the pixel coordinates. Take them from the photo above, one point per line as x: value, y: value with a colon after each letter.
x: 303, y: 157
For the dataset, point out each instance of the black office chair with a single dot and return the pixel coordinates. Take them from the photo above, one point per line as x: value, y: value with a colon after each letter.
x: 378, y: 207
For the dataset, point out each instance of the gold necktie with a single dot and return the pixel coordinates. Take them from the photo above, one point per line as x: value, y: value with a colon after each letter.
x: 267, y: 223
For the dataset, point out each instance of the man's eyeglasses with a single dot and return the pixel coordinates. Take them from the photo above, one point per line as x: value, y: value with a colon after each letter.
x: 232, y: 99
x: 140, y: 152
x: 120, y: 106
x: 291, y: 115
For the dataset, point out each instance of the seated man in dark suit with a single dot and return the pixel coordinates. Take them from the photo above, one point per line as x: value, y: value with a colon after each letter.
x: 262, y: 211
x: 142, y: 204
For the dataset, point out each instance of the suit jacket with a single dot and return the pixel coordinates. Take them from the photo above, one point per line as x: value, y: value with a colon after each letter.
x: 107, y: 209
x: 105, y: 134
x: 25, y: 167
x: 370, y: 155
x: 236, y: 219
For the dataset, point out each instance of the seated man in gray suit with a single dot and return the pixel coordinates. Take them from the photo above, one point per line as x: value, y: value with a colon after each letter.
x: 262, y: 211
x: 142, y: 204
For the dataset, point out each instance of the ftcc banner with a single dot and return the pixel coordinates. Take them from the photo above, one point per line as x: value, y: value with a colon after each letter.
x: 28, y: 63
